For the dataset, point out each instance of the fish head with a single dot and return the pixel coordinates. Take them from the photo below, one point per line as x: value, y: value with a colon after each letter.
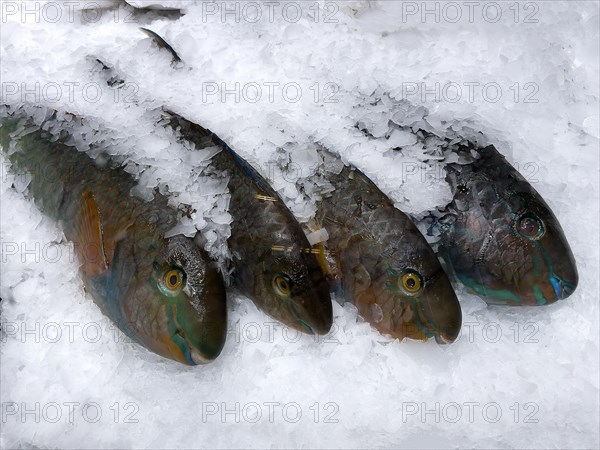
x: 523, y: 257
x: 178, y: 309
x: 551, y: 273
x: 292, y: 288
x: 404, y: 292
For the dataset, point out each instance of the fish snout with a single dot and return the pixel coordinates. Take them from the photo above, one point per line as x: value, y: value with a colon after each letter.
x: 313, y: 314
x: 200, y: 321
x: 442, y: 310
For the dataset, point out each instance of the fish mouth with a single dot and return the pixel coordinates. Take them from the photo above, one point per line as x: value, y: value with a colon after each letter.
x: 191, y: 355
x: 443, y: 340
x: 306, y: 328
x: 562, y: 288
x: 302, y: 323
x: 199, y: 358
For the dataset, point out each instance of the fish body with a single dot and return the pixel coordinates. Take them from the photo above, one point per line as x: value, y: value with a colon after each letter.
x: 165, y: 293
x: 383, y: 264
x: 272, y: 259
x: 500, y: 238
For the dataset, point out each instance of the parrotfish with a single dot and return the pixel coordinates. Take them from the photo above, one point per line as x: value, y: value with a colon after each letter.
x: 274, y: 264
x: 380, y: 261
x: 163, y: 292
x: 499, y: 236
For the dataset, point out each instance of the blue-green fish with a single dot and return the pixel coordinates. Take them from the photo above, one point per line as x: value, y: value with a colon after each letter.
x: 165, y: 293
x: 500, y: 237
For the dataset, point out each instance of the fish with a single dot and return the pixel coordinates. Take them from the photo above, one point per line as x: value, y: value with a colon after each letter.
x: 139, y: 12
x: 380, y: 261
x: 273, y: 262
x: 163, y: 292
x: 500, y: 238
x: 162, y: 44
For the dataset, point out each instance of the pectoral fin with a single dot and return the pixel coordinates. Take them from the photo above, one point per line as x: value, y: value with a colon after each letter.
x: 88, y: 228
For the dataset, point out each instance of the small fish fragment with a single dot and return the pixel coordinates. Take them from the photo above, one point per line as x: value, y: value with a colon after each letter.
x: 162, y: 44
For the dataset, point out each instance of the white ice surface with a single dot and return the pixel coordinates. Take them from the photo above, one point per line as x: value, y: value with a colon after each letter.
x: 541, y: 373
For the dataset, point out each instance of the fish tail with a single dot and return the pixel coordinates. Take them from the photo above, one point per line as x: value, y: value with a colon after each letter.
x: 162, y: 44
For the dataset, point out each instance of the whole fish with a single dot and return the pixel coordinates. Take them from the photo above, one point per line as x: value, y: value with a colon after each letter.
x: 382, y: 263
x: 500, y: 237
x: 273, y: 262
x: 165, y: 293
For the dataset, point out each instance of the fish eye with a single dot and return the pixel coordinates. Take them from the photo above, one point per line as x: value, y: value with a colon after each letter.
x: 530, y: 227
x: 411, y: 282
x: 172, y: 281
x: 282, y: 285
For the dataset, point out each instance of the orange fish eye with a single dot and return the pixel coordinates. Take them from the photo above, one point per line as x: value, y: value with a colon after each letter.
x: 173, y: 279
x: 282, y: 285
x: 411, y: 282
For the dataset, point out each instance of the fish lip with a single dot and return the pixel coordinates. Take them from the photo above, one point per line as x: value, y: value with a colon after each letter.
x: 199, y: 358
x: 562, y: 288
x: 306, y: 327
x: 196, y: 357
x: 444, y: 340
x: 441, y: 340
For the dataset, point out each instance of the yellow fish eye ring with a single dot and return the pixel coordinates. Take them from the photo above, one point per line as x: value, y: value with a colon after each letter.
x: 411, y: 282
x: 282, y: 285
x: 172, y: 281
